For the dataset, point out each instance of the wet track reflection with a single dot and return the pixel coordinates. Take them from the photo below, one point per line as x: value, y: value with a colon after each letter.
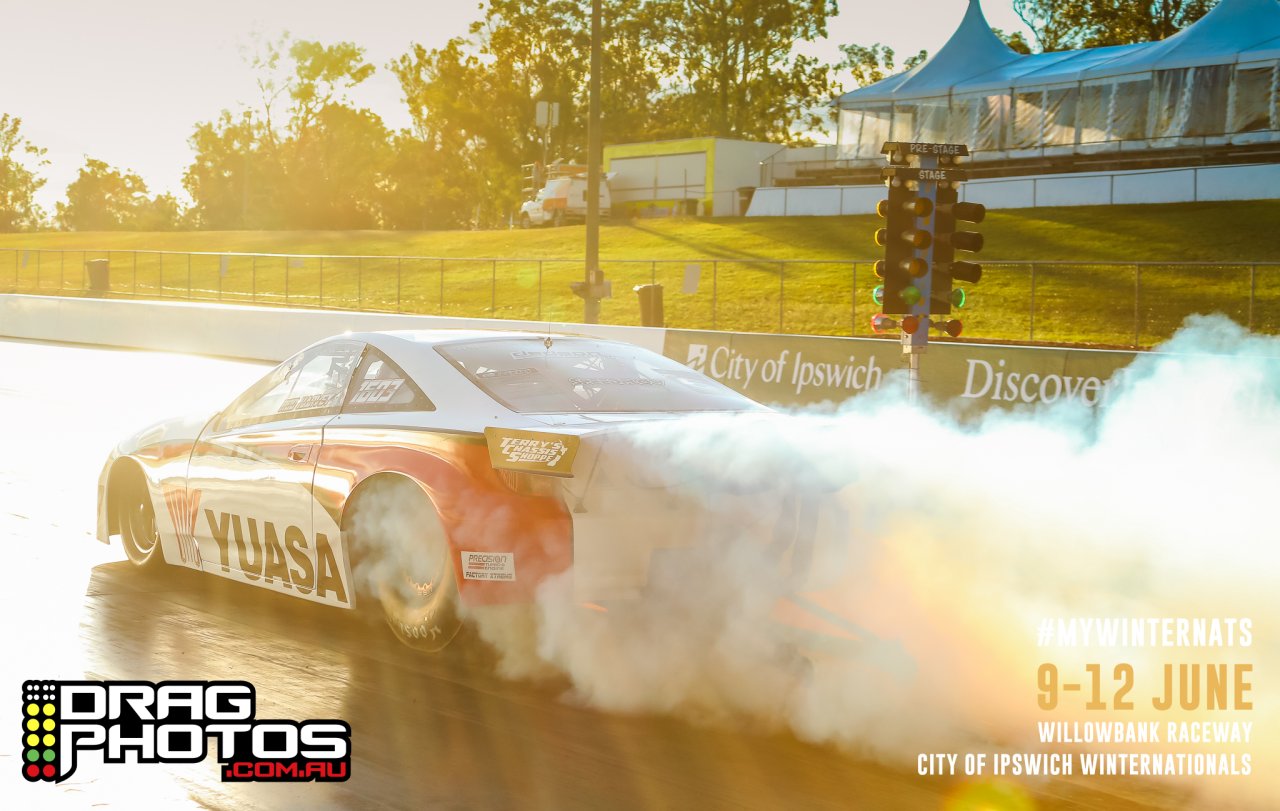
x: 428, y: 732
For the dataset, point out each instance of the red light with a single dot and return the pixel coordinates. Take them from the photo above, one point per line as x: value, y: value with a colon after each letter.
x: 882, y: 323
x: 910, y: 324
x: 953, y: 328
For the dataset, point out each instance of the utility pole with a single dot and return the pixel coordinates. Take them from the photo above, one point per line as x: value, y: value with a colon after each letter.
x: 593, y: 288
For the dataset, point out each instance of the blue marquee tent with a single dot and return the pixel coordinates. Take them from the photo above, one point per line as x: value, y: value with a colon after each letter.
x: 1216, y: 82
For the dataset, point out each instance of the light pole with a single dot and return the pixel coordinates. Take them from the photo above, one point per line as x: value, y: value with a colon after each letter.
x: 594, y: 278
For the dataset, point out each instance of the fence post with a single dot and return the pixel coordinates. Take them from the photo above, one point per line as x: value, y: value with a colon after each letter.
x: 1253, y: 290
x: 782, y: 292
x: 853, y: 302
x: 399, y: 274
x: 715, y: 273
x: 653, y: 272
x: 1031, y: 330
x: 1137, y: 298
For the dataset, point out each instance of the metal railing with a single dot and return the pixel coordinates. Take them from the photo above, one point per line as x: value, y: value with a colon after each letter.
x: 1114, y: 304
x: 867, y: 158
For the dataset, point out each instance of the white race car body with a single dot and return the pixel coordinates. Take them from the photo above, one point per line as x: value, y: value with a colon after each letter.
x: 504, y: 432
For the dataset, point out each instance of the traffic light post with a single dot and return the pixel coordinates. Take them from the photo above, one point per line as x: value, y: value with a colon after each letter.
x: 920, y: 240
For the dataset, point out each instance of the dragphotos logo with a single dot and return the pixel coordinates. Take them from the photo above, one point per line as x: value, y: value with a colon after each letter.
x: 173, y: 722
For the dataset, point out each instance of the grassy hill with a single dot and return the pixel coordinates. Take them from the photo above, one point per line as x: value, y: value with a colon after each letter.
x: 1180, y: 232
x: 828, y: 294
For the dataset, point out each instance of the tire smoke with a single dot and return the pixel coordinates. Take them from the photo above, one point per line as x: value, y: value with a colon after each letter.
x: 873, y: 577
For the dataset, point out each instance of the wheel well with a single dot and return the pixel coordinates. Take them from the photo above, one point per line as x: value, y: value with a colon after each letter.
x: 124, y: 473
x: 367, y: 485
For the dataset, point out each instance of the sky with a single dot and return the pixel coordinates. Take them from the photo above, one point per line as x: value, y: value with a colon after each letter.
x: 125, y: 82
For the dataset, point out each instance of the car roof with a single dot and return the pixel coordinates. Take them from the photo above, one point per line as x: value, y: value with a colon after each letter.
x: 439, y: 337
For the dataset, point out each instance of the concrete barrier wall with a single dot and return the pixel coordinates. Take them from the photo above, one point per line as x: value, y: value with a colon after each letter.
x: 787, y: 370
x: 252, y: 333
x: 1251, y: 182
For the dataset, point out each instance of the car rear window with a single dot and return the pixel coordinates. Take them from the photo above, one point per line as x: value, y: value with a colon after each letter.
x: 564, y: 375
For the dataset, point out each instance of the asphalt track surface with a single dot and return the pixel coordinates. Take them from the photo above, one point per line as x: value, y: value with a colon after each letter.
x: 428, y: 732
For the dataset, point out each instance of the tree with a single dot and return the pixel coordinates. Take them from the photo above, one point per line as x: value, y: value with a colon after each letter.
x: 304, y: 158
x: 19, y: 162
x: 1116, y: 22
x: 869, y: 64
x: 671, y: 68
x: 233, y: 181
x: 424, y: 188
x: 1061, y: 24
x: 103, y: 198
x: 334, y: 170
x: 474, y: 98
x: 1055, y: 24
x: 1016, y: 41
x: 739, y: 75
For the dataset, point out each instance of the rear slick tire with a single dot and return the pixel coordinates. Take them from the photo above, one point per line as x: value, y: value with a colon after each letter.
x: 402, y: 558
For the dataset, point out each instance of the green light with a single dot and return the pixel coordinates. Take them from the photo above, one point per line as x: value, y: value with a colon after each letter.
x: 877, y: 295
x: 33, y: 755
x: 958, y: 297
x: 911, y: 296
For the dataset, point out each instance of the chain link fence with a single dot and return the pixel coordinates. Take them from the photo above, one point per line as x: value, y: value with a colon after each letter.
x: 1111, y: 304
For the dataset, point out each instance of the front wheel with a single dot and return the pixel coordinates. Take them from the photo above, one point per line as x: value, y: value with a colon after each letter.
x: 137, y: 517
x: 402, y: 558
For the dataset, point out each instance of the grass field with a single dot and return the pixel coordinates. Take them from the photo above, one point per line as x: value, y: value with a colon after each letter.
x: 810, y: 274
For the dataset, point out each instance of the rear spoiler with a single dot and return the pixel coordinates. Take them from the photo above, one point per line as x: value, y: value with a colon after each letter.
x: 532, y: 451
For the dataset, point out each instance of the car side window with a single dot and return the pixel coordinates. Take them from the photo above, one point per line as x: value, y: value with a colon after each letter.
x: 309, y: 384
x: 381, y: 385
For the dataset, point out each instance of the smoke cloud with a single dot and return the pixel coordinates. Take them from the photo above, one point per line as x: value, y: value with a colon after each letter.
x: 922, y: 552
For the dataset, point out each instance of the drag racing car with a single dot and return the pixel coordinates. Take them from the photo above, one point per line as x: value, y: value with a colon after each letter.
x: 425, y: 470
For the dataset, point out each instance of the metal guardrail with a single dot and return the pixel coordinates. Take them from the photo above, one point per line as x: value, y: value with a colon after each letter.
x: 867, y: 157
x: 1113, y: 304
